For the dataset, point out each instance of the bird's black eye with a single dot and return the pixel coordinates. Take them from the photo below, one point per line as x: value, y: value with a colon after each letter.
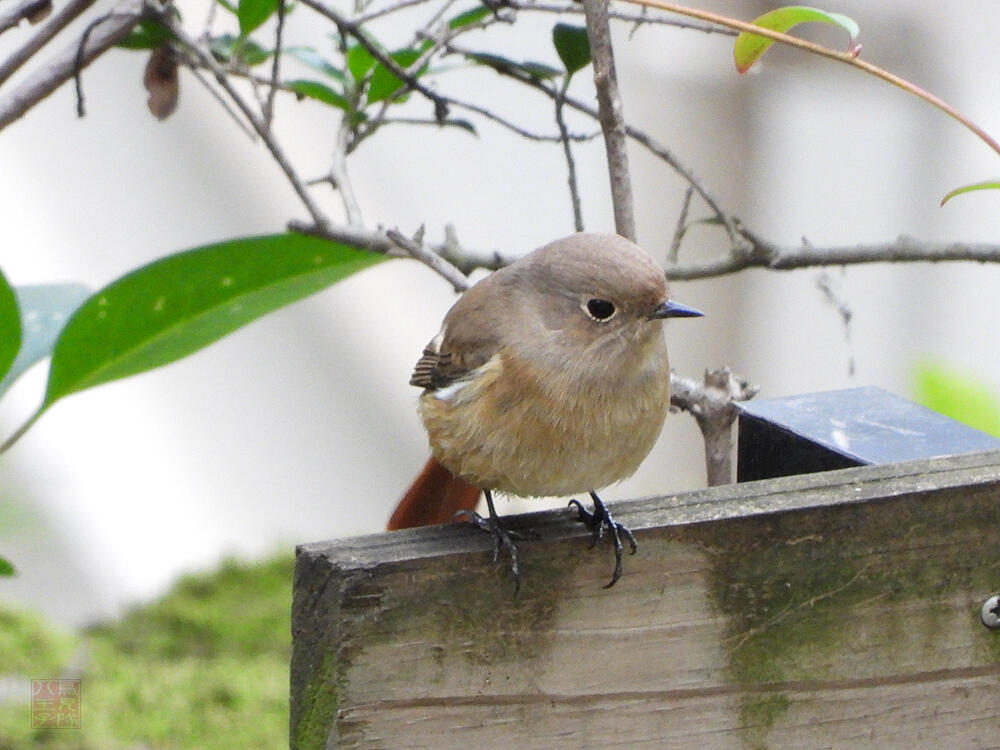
x: 600, y: 309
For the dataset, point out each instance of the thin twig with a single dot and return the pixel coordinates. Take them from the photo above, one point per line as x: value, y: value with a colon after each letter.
x: 193, y: 66
x: 675, y: 244
x: 81, y: 49
x: 275, y: 66
x: 206, y: 59
x: 42, y: 81
x: 612, y: 121
x: 574, y: 188
x: 361, y: 20
x: 346, y: 26
x: 620, y: 16
x: 58, y: 22
x: 416, y: 250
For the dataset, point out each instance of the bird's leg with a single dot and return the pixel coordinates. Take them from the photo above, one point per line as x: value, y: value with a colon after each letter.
x: 501, y: 537
x: 600, y: 521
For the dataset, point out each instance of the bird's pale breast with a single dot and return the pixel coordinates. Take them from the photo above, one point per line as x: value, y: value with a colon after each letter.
x: 508, y: 428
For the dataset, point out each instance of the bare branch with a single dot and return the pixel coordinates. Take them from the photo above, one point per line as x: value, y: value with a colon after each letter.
x: 59, y: 22
x: 462, y: 258
x: 764, y: 254
x: 32, y: 10
x: 41, y: 82
x: 712, y: 403
x: 610, y: 108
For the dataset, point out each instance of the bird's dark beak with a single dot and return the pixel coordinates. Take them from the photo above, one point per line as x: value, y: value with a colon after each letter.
x: 671, y: 309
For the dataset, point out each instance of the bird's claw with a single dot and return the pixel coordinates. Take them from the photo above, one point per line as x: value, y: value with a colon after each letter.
x: 501, y: 538
x: 599, y: 521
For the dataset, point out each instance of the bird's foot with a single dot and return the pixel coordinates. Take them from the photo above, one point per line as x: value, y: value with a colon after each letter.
x: 502, y: 538
x: 599, y: 521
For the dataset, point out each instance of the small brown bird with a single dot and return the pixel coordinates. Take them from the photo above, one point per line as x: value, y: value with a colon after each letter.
x: 548, y: 377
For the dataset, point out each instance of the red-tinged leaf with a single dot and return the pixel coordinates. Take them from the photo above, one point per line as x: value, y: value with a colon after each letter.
x: 988, y: 185
x: 749, y: 47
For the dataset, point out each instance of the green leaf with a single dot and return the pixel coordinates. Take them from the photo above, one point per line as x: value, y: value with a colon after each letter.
x: 320, y: 92
x: 180, y: 304
x: 958, y: 395
x: 469, y: 17
x: 6, y: 569
x: 312, y: 59
x: 385, y: 83
x: 503, y: 64
x: 10, y: 326
x: 45, y: 308
x: 749, y: 47
x: 147, y: 34
x: 359, y: 61
x: 988, y: 185
x: 253, y: 13
x: 229, y: 48
x: 573, y: 46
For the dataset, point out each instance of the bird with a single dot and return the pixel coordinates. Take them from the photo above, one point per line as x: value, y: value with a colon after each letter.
x: 549, y: 377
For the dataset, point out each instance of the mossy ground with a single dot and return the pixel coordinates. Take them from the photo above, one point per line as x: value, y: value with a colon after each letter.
x: 204, y: 667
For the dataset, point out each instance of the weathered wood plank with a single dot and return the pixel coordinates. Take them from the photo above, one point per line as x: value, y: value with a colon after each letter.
x: 825, y: 610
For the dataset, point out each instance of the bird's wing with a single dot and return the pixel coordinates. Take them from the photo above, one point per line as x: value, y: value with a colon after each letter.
x: 446, y: 359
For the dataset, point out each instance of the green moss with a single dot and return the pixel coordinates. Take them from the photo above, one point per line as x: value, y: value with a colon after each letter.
x: 758, y: 714
x: 31, y: 647
x: 205, y: 667
x: 320, y: 700
x: 803, y: 592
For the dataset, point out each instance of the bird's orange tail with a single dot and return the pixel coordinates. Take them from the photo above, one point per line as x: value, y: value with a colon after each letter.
x: 434, y: 497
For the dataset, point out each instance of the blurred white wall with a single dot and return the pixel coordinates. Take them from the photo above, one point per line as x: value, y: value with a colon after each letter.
x: 302, y: 426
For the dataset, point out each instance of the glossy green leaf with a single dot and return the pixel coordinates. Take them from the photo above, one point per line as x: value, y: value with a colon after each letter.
x: 359, y: 61
x: 573, y: 46
x: 988, y: 185
x: 6, y: 568
x: 318, y: 91
x: 503, y: 64
x: 469, y: 17
x: 10, y: 326
x: 177, y: 305
x: 385, y: 83
x: 312, y: 59
x: 45, y: 309
x: 229, y: 48
x: 958, y: 395
x: 147, y: 34
x: 253, y: 13
x: 749, y: 47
